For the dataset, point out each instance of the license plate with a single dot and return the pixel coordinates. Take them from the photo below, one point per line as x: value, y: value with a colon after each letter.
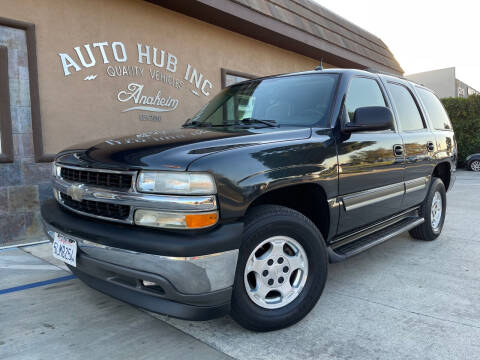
x: 64, y: 249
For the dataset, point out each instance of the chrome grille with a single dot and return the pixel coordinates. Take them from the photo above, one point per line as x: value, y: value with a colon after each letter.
x: 97, y: 178
x: 97, y: 208
x: 110, y: 198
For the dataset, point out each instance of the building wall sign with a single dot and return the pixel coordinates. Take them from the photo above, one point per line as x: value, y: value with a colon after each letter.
x: 162, y: 70
x: 155, y: 103
x: 113, y: 68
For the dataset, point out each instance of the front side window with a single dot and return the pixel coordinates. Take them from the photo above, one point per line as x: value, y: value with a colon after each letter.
x: 363, y: 92
x: 407, y: 109
x: 299, y: 100
x: 435, y: 110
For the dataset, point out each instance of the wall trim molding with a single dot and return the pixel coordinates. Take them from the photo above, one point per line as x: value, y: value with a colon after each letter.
x: 224, y: 73
x: 6, y: 151
x: 29, y: 28
x: 241, y: 18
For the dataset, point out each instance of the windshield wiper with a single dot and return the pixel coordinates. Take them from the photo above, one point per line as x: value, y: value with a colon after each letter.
x: 271, y: 123
x: 195, y: 123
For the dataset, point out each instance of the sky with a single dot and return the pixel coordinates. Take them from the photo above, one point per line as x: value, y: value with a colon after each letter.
x: 423, y: 34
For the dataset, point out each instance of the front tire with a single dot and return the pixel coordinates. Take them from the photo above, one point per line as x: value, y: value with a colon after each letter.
x: 474, y: 165
x: 433, y: 211
x: 281, y: 270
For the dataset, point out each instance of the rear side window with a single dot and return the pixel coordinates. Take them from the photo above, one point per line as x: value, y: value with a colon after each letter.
x: 407, y: 109
x: 435, y: 110
x: 363, y: 92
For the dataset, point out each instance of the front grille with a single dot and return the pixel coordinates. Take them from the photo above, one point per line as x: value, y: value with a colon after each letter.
x: 104, y: 179
x: 97, y: 208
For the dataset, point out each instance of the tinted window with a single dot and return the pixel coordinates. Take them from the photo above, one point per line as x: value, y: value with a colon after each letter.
x: 363, y: 92
x: 435, y: 110
x: 299, y: 100
x: 408, y: 114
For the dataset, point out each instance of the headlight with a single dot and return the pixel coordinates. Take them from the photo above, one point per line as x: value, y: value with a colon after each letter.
x: 179, y: 183
x: 172, y: 220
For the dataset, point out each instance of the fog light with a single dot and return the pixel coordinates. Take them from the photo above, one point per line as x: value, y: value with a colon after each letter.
x: 148, y: 283
x: 153, y: 287
x: 172, y: 220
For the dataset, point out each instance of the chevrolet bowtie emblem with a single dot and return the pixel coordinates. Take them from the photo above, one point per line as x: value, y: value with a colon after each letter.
x: 76, y: 192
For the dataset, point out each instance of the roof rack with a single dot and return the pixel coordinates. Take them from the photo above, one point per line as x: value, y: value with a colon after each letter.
x: 376, y: 71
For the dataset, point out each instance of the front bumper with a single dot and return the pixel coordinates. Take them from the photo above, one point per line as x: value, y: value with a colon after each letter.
x: 190, y: 287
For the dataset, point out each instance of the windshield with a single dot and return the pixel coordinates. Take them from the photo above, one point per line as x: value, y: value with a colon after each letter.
x: 299, y: 100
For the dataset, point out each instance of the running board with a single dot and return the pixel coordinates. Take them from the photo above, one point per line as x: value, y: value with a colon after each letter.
x: 340, y: 253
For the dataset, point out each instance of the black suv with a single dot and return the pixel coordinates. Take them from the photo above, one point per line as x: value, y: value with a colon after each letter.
x: 242, y: 209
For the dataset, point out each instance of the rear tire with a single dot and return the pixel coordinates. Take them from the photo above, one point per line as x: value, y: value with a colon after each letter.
x: 433, y: 211
x: 282, y: 256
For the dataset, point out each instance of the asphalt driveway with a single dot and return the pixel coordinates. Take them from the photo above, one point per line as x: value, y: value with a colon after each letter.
x: 404, y: 299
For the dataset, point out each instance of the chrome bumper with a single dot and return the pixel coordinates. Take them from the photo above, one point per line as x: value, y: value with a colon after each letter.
x: 192, y: 275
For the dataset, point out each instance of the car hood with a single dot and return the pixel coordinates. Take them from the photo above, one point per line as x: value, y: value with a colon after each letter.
x: 171, y: 149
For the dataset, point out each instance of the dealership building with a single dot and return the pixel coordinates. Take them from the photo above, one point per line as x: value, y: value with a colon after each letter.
x: 75, y: 71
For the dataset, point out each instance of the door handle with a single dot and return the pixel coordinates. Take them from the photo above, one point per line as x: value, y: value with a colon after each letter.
x: 398, y: 150
x: 430, y: 146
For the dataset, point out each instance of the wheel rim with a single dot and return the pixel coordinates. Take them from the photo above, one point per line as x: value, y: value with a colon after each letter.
x: 276, y: 272
x: 475, y: 165
x: 436, y: 212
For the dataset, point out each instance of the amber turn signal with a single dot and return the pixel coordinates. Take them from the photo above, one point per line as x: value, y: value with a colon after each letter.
x: 175, y: 220
x: 198, y: 221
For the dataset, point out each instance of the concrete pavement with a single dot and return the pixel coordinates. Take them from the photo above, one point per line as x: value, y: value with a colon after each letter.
x: 404, y: 299
x: 67, y: 320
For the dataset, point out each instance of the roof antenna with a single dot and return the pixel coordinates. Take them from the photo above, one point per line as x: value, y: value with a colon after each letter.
x: 320, y: 67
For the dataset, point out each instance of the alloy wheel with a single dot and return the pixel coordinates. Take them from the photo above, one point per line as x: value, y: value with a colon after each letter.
x: 436, y: 211
x: 475, y: 165
x: 276, y: 272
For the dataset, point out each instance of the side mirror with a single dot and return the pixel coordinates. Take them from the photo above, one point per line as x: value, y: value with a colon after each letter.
x: 370, y: 118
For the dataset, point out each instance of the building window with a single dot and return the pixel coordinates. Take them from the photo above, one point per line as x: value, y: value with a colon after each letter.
x: 19, y: 39
x: 6, y: 143
x: 230, y: 77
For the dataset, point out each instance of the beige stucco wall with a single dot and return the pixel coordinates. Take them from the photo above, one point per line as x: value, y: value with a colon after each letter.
x: 75, y: 110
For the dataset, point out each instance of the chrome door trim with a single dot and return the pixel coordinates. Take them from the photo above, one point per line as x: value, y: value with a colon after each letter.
x: 372, y: 196
x: 416, y: 184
